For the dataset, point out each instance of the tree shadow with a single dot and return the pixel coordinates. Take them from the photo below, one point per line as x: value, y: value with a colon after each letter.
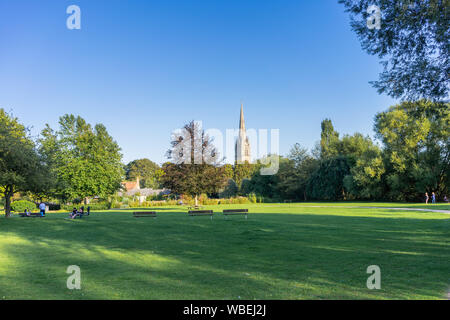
x: 269, y: 256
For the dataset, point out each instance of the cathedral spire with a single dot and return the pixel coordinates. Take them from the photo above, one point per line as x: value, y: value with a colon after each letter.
x: 242, y: 143
x: 242, y: 121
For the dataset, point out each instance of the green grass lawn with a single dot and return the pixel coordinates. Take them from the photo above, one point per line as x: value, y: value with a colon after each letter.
x: 284, y: 251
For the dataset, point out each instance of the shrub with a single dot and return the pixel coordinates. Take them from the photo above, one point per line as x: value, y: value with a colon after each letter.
x: 22, y: 205
x: 252, y: 198
x: 231, y: 190
x: 54, y: 207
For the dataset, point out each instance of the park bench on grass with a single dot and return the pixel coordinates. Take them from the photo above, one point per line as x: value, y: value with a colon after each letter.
x: 201, y: 213
x: 32, y: 215
x: 143, y: 214
x: 236, y: 212
x: 195, y: 207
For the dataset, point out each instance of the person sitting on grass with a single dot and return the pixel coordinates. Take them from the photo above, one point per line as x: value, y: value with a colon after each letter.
x: 28, y: 213
x: 74, y: 213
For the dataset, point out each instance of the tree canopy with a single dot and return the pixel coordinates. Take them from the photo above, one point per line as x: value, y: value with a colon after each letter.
x: 149, y: 173
x: 85, y: 159
x: 413, y: 43
x: 195, y: 168
x: 20, y: 166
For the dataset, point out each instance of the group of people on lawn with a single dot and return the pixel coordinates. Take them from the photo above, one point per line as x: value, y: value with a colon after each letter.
x: 74, y: 214
x: 433, y: 198
x: 79, y: 213
x: 42, y: 208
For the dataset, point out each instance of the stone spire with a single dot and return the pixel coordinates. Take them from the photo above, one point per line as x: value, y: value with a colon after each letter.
x: 242, y: 144
x: 242, y: 121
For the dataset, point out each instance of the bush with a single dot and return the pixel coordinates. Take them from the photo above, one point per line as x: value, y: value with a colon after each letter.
x: 22, y: 205
x: 252, y: 198
x: 231, y: 190
x: 54, y: 207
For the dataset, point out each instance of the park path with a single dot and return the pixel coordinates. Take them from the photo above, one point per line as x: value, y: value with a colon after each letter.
x: 389, y: 208
x: 411, y: 209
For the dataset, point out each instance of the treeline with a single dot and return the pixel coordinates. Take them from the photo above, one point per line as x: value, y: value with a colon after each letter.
x: 78, y: 161
x: 72, y: 162
x: 413, y: 157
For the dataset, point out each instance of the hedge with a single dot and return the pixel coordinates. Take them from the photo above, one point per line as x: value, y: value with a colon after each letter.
x: 22, y: 205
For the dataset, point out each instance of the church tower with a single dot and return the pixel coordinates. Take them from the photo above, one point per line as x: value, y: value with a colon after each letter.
x: 242, y: 144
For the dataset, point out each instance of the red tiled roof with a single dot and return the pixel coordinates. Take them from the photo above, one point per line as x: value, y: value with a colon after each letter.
x: 130, y: 185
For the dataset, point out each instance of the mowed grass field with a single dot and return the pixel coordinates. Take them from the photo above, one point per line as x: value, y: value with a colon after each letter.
x: 283, y: 251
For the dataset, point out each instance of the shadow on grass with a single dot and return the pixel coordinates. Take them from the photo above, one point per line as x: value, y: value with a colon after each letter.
x: 270, y: 256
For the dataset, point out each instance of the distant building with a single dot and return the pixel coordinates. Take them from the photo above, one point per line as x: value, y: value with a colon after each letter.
x: 132, y: 188
x: 243, y: 152
x: 131, y: 185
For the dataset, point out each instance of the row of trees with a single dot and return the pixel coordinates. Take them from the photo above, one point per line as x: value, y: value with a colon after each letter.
x: 76, y: 161
x: 414, y: 158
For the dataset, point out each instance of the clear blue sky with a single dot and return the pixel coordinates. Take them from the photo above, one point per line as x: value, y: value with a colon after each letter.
x: 144, y: 68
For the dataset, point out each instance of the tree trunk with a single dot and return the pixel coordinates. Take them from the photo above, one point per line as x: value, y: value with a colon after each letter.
x: 8, y: 196
x: 196, y: 200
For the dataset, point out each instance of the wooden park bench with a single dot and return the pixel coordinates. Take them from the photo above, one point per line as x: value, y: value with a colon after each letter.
x: 32, y: 215
x: 193, y: 213
x: 195, y: 207
x: 143, y: 214
x: 236, y: 212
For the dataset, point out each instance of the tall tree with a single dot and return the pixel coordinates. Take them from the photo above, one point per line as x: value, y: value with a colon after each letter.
x: 413, y: 42
x: 329, y: 140
x: 242, y: 171
x: 327, y: 182
x: 304, y: 165
x: 20, y: 167
x: 416, y: 138
x: 196, y: 165
x: 85, y: 159
x: 149, y: 173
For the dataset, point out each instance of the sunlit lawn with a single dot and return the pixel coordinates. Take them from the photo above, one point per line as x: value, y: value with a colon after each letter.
x: 283, y: 251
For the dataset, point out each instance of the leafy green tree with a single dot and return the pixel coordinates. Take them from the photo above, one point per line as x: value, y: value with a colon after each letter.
x: 356, y: 145
x: 149, y: 173
x: 329, y: 140
x: 412, y: 42
x: 20, y: 166
x: 327, y: 182
x: 365, y: 180
x: 242, y: 171
x: 294, y: 174
x: 85, y: 159
x: 231, y: 190
x: 416, y: 139
x: 229, y: 171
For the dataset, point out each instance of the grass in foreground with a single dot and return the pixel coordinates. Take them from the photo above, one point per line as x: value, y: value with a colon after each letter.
x: 284, y: 251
